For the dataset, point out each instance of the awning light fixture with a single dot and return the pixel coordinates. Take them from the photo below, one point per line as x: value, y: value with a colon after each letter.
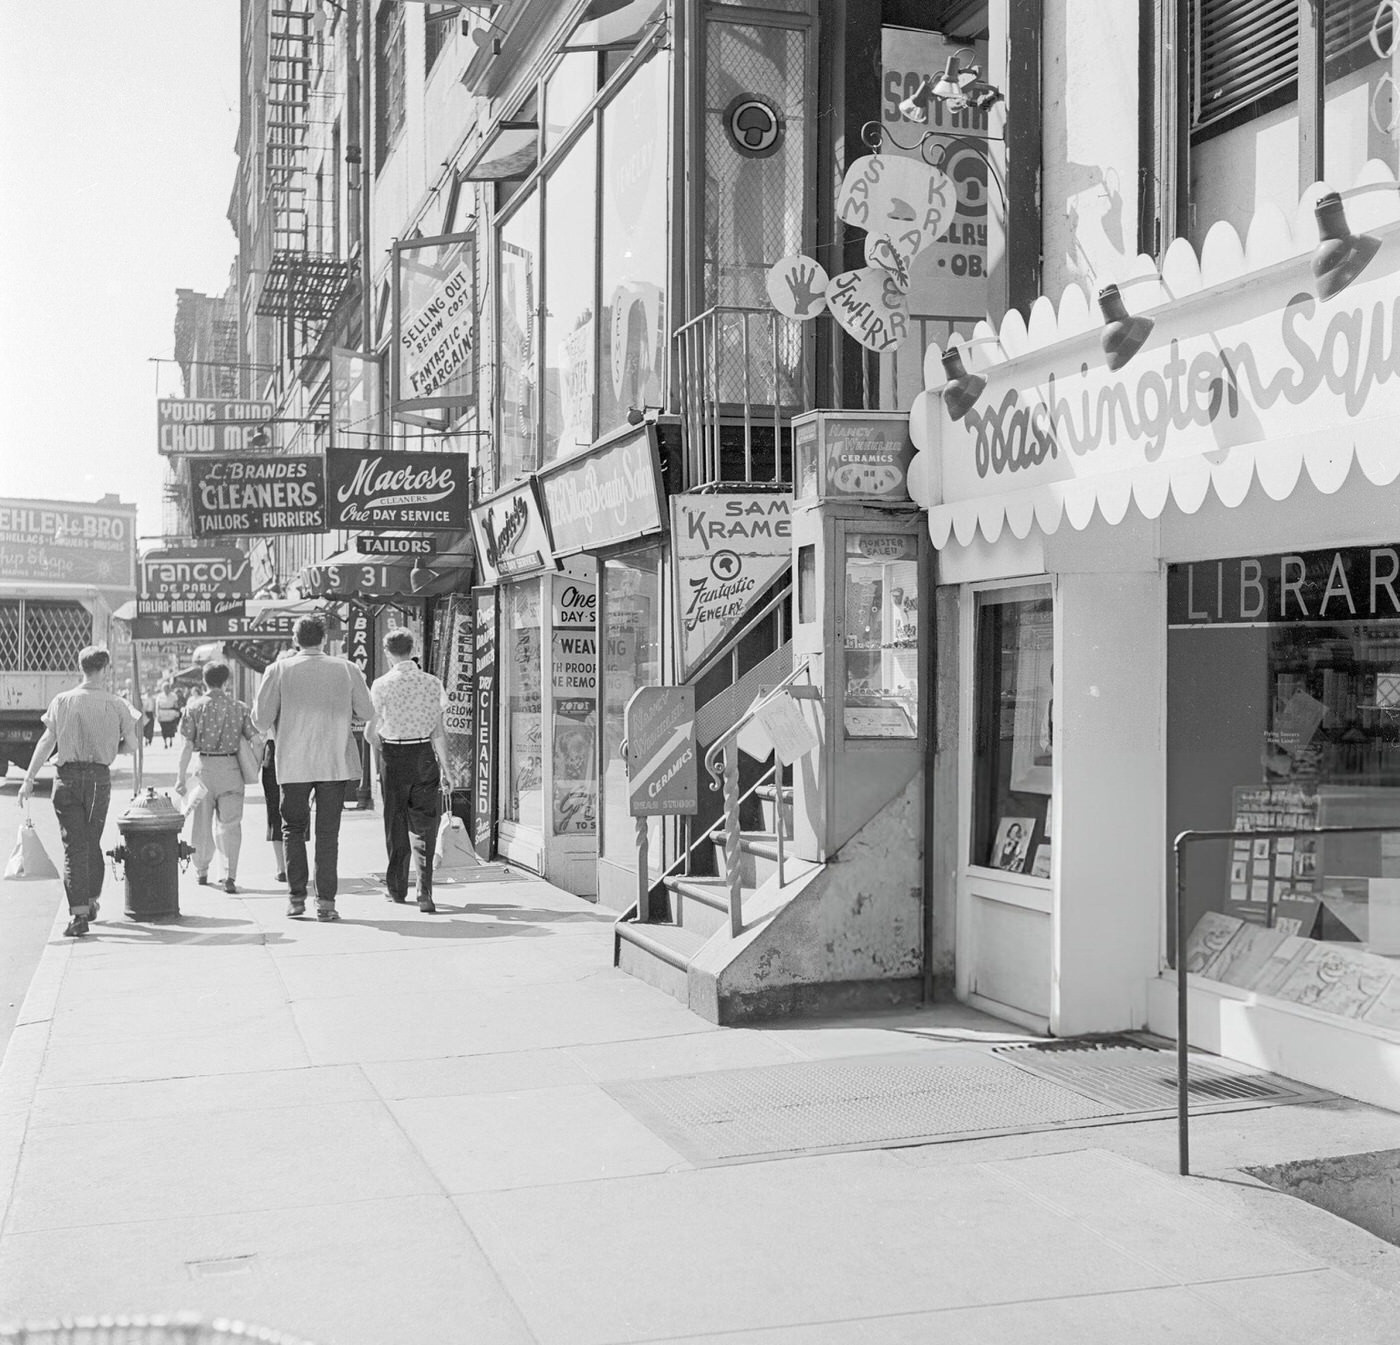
x: 1124, y: 334
x: 961, y: 391
x: 1340, y: 255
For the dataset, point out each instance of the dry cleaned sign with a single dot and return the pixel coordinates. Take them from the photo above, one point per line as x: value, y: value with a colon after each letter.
x: 252, y: 497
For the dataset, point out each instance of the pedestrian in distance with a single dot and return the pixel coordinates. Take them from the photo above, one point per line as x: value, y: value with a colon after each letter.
x: 309, y: 702
x: 213, y: 725
x: 272, y: 796
x: 148, y: 716
x: 410, y: 747
x: 167, y: 712
x: 88, y: 726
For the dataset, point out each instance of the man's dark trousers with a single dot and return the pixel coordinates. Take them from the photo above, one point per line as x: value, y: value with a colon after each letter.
x: 412, y: 785
x: 296, y: 824
x: 81, y: 795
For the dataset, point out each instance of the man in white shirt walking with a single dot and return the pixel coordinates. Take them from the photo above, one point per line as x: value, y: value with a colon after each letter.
x: 309, y: 701
x: 411, y: 748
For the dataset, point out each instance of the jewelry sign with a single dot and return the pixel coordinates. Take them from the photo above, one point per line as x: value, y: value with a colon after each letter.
x: 257, y: 497
x: 728, y: 549
x: 374, y: 489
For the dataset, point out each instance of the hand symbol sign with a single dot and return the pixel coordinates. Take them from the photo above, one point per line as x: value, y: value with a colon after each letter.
x: 799, y: 283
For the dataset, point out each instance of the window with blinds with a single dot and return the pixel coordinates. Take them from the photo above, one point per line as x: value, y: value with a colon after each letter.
x: 1244, y: 54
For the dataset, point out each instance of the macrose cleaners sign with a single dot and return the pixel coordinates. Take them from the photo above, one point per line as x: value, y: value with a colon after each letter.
x: 1226, y: 379
x: 369, y: 488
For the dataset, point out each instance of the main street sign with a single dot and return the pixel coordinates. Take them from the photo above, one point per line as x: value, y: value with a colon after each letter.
x: 209, y: 627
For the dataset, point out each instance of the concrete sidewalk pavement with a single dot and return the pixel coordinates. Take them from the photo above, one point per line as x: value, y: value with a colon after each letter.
x: 395, y: 1128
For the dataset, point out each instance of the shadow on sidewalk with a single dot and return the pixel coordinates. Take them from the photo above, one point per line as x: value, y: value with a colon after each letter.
x: 202, y: 930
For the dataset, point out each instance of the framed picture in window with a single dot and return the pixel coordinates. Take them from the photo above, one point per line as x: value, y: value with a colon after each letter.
x: 1013, y: 840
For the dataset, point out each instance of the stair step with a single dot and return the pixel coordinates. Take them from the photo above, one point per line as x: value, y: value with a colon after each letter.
x: 658, y: 955
x: 700, y: 905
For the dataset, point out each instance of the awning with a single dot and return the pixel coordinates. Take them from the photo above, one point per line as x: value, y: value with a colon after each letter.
x: 1245, y: 377
x: 611, y: 23
x: 510, y: 151
x: 350, y: 574
x: 277, y: 616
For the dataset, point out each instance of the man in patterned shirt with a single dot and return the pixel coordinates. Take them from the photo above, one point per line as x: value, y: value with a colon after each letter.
x: 88, y: 726
x: 213, y: 725
x: 411, y: 749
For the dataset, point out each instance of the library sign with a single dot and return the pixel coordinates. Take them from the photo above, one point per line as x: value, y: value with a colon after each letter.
x: 256, y: 497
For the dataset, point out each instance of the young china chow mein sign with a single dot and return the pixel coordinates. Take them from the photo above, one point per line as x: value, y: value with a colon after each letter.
x: 1243, y: 378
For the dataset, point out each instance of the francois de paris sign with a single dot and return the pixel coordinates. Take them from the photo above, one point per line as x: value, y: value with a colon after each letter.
x: 1226, y: 374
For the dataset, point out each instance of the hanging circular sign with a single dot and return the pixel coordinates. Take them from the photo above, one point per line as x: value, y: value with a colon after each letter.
x: 754, y: 125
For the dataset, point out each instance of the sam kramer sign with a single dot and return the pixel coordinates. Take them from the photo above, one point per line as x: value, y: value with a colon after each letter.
x: 727, y: 549
x: 419, y: 491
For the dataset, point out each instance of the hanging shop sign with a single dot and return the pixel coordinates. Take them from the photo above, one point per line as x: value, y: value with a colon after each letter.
x: 212, y: 626
x: 350, y: 575
x: 458, y: 680
x: 209, y: 572
x: 510, y: 534
x: 255, y: 497
x: 359, y: 636
x: 435, y: 323
x: 53, y: 541
x: 661, y: 752
x: 852, y: 456
x: 1346, y: 584
x: 727, y: 550
x: 179, y: 606
x: 195, y: 425
x: 368, y: 488
x: 370, y: 544
x: 610, y: 494
x: 484, y: 775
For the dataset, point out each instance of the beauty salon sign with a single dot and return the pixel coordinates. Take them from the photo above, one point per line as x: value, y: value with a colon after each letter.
x: 1242, y: 377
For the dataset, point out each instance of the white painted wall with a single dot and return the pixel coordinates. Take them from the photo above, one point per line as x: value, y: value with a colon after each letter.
x: 1089, y: 138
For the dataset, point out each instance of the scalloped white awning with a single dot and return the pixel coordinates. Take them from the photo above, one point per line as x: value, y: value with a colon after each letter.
x: 1246, y: 377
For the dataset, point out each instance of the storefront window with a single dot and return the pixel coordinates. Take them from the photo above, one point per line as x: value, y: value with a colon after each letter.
x: 570, y: 337
x: 518, y: 376
x: 631, y: 659
x: 1283, y: 711
x: 573, y: 671
x: 633, y: 309
x: 520, y: 671
x: 1013, y: 754
x: 569, y: 89
x: 882, y: 636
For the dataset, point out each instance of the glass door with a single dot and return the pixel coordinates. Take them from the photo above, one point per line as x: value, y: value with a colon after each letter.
x: 522, y: 728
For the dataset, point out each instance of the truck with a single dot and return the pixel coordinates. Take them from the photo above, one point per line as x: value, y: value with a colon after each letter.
x: 65, y: 569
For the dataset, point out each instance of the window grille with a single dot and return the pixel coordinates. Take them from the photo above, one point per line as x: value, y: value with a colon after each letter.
x: 55, y: 633
x: 9, y: 636
x: 1244, y: 54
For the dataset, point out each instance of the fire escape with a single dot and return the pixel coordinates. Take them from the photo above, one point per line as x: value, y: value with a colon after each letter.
x: 302, y: 281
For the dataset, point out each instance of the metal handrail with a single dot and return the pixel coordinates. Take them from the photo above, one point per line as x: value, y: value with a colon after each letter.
x: 1189, y: 837
x: 728, y: 744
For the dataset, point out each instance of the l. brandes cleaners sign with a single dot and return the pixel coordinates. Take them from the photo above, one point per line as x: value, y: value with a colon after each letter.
x: 1224, y: 370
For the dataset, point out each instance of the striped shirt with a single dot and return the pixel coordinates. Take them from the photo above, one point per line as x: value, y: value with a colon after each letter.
x: 215, y: 721
x: 89, y: 724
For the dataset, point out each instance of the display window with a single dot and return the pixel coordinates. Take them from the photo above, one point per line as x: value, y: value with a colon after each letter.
x: 573, y: 673
x: 518, y: 402
x: 1283, y: 712
x: 520, y: 674
x: 1013, y: 780
x: 631, y: 657
x: 881, y: 645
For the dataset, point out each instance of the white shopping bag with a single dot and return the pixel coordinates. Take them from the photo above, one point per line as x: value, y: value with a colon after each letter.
x: 29, y: 859
x: 454, y: 848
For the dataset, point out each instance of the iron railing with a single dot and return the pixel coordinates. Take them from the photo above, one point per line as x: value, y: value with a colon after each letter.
x: 727, y: 744
x: 744, y: 368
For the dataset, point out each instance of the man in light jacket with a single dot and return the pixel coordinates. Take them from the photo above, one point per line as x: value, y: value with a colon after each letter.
x: 309, y: 701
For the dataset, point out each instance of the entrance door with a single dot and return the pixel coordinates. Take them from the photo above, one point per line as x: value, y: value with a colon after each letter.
x: 1005, y: 888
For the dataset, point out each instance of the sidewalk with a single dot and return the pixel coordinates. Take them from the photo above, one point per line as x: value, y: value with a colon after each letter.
x: 395, y: 1128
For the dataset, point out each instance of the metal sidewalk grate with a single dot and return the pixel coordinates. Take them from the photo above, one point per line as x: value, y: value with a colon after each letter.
x: 920, y: 1097
x: 1143, y: 1079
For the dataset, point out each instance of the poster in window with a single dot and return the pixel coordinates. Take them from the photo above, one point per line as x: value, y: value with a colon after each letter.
x: 1031, y: 747
x: 1013, y: 839
x: 574, y: 677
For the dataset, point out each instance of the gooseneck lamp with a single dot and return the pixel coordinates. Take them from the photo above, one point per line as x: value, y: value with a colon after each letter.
x: 1340, y: 255
x: 961, y: 391
x: 1123, y: 334
x: 915, y: 107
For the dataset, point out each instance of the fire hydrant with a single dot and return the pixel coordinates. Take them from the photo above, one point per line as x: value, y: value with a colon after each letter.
x: 152, y: 854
